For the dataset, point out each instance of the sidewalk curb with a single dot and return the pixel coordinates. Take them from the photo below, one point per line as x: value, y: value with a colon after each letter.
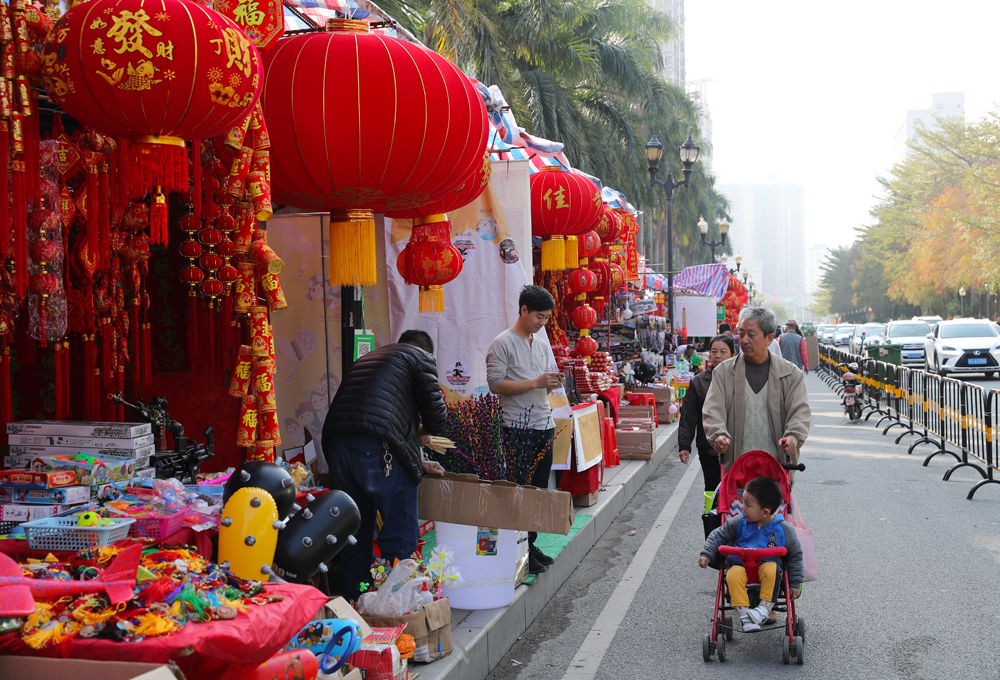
x: 481, y: 638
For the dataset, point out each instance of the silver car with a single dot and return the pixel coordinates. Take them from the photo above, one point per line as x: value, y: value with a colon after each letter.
x: 963, y: 346
x: 842, y: 336
x: 825, y: 333
x: 911, y: 335
x: 864, y: 335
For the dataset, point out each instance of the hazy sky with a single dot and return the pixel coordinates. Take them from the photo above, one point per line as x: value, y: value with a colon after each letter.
x: 815, y: 92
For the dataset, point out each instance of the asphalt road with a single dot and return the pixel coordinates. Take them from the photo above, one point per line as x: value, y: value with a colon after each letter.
x: 908, y: 588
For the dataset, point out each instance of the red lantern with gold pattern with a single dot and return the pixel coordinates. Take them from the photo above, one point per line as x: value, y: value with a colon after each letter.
x: 589, y: 246
x: 584, y: 317
x: 432, y: 132
x: 156, y: 74
x: 586, y: 346
x: 582, y: 281
x: 609, y: 226
x: 562, y: 204
x: 429, y: 260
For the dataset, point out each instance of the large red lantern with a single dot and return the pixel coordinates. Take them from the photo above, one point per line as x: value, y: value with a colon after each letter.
x: 430, y: 261
x: 154, y: 73
x: 562, y: 204
x: 324, y: 92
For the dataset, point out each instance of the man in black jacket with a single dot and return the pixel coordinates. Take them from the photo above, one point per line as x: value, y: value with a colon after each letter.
x: 372, y: 442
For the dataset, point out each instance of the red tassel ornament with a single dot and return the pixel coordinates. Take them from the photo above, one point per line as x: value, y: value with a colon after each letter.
x: 158, y: 219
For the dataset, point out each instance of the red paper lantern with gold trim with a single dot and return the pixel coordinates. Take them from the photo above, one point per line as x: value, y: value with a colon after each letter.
x: 584, y: 318
x: 429, y: 260
x: 582, y: 281
x: 432, y: 130
x: 609, y: 226
x: 590, y: 246
x: 585, y: 346
x: 156, y: 74
x: 562, y: 204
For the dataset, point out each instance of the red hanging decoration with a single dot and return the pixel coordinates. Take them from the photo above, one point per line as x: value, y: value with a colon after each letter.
x: 20, y: 226
x: 58, y: 379
x: 429, y: 260
x: 5, y: 244
x: 158, y: 218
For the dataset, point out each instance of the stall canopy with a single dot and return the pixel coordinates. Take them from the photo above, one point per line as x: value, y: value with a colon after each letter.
x: 707, y: 279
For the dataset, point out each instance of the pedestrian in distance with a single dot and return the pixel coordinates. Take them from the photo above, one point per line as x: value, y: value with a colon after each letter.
x: 519, y: 369
x: 792, y: 346
x: 758, y: 400
x: 726, y: 329
x: 760, y: 526
x: 384, y: 412
x: 690, y: 428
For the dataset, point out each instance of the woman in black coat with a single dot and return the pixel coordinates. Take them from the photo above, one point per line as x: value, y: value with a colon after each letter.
x: 690, y: 428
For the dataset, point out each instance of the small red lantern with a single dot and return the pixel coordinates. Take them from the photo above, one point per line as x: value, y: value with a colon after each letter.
x: 562, y: 204
x: 429, y: 260
x: 584, y: 317
x: 586, y: 345
x: 589, y: 246
x: 192, y: 275
x: 582, y: 281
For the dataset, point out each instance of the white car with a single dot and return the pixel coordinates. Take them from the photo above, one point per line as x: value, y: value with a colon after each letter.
x: 825, y: 333
x: 864, y: 335
x: 911, y: 335
x: 842, y: 335
x: 963, y: 346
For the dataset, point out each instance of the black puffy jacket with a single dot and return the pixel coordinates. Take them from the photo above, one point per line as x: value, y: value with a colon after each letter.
x: 389, y: 393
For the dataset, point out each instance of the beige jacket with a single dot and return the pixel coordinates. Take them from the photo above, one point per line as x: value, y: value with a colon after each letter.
x: 788, y: 405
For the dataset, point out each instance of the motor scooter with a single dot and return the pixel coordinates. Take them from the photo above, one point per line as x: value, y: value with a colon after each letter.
x: 852, y: 392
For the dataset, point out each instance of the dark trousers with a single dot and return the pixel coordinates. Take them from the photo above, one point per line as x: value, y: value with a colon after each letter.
x: 356, y: 469
x: 711, y: 469
x: 540, y: 440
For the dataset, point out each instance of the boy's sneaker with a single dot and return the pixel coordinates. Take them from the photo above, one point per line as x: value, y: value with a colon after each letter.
x: 540, y: 556
x: 748, y: 625
x: 761, y: 612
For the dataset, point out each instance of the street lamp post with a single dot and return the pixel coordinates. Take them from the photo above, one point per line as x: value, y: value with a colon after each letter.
x: 738, y: 260
x: 961, y: 296
x: 713, y: 244
x: 689, y: 154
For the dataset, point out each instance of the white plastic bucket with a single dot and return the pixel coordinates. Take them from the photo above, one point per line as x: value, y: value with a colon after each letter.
x: 488, y: 566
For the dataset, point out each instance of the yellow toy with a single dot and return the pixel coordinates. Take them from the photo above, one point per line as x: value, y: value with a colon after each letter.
x: 89, y: 519
x: 248, y: 534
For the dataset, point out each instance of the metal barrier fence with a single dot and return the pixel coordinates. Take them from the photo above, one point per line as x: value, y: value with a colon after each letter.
x: 943, y: 412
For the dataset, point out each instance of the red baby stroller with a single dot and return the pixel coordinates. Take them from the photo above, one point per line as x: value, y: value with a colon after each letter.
x: 729, y: 503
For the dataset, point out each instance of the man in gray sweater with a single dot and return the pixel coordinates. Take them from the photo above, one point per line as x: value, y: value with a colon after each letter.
x: 518, y: 369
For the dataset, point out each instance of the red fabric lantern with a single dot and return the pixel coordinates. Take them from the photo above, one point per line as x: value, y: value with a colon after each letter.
x: 582, y: 281
x: 429, y: 260
x: 155, y: 74
x: 432, y: 132
x: 584, y: 317
x: 586, y: 346
x: 562, y: 204
x: 589, y: 246
x: 609, y: 226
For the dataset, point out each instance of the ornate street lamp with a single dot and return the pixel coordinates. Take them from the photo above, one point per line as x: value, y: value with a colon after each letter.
x: 713, y: 244
x: 688, y: 154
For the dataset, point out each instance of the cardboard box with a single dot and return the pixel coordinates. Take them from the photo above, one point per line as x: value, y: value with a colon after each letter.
x: 430, y: 628
x: 16, y: 512
x: 81, y: 428
x: 88, y: 472
x: 145, y: 473
x: 636, y: 424
x: 636, y: 444
x: 28, y: 479
x: 586, y: 500
x: 36, y: 668
x: 466, y: 499
x: 67, y: 495
x: 22, y: 450
x: 636, y: 412
x: 81, y: 442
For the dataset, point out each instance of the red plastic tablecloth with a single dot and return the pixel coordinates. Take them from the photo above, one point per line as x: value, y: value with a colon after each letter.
x: 18, y: 550
x: 218, y: 650
x: 614, y: 397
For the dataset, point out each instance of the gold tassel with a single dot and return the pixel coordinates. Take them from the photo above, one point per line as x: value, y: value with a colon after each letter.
x: 431, y: 299
x: 553, y: 254
x: 352, y: 248
x: 572, y: 252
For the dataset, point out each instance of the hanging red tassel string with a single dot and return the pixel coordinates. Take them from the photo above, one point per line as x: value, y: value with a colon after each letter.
x: 58, y: 379
x: 20, y: 226
x: 227, y: 328
x: 210, y: 323
x: 120, y: 410
x: 88, y: 375
x: 93, y: 215
x: 69, y: 405
x: 147, y: 355
x: 192, y: 339
x: 5, y: 244
x: 196, y: 191
x: 104, y: 218
x: 158, y: 219
x: 6, y: 408
x: 121, y: 164
x: 137, y: 376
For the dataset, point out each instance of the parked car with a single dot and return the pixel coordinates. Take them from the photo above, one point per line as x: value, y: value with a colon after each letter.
x: 824, y: 333
x: 963, y: 346
x: 843, y: 334
x: 929, y: 320
x: 864, y: 335
x: 911, y: 335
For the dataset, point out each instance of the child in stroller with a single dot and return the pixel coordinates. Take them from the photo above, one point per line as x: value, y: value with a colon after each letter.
x: 756, y: 547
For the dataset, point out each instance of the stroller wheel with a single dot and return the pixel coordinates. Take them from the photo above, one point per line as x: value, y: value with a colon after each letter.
x: 706, y: 647
x: 800, y: 628
x: 799, y: 651
x: 720, y: 646
x: 729, y: 627
x: 786, y: 651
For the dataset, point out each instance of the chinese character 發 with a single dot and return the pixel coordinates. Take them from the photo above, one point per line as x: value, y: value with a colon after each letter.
x: 128, y: 31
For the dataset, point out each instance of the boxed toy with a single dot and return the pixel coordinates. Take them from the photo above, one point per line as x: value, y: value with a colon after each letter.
x: 69, y: 494
x: 81, y: 443
x: 81, y: 428
x: 29, y: 479
x: 22, y: 451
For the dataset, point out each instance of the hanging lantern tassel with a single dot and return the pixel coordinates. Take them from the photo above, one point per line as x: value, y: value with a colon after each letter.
x: 20, y: 226
x: 93, y: 211
x: 431, y: 299
x: 137, y: 375
x: 58, y: 379
x: 352, y: 248
x: 158, y: 218
x: 192, y: 326
x: 88, y: 377
x: 572, y: 253
x: 103, y: 216
x: 66, y: 394
x: 156, y: 162
x: 6, y: 409
x: 5, y: 248
x: 147, y: 355
x: 553, y: 254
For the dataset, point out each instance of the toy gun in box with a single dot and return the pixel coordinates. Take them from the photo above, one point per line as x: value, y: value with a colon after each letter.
x: 155, y: 413
x: 183, y: 465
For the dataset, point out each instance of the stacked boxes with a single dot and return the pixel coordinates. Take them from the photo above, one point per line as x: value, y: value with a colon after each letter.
x: 52, y: 466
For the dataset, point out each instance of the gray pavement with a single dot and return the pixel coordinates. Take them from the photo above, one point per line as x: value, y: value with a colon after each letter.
x: 908, y: 587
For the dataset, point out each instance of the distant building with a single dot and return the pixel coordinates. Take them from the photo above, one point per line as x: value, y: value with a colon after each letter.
x: 768, y: 229
x: 698, y: 91
x: 943, y: 105
x: 673, y: 50
x: 815, y: 257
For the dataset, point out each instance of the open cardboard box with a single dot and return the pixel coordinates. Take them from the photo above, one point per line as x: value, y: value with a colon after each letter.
x: 466, y: 499
x: 636, y: 444
x: 39, y: 668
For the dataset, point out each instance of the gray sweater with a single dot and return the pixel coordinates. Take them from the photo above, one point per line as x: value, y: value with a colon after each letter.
x: 513, y: 357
